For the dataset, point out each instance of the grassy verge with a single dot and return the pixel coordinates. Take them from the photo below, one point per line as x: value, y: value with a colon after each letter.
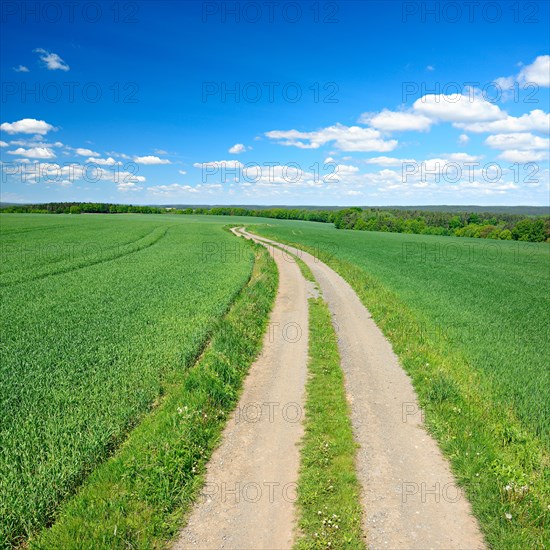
x: 138, y: 497
x: 503, y: 467
x: 328, y: 489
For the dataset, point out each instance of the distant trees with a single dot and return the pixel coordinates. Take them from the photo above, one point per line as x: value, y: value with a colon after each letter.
x: 479, y: 225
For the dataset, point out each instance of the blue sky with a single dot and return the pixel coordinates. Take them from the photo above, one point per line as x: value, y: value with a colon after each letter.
x: 344, y: 103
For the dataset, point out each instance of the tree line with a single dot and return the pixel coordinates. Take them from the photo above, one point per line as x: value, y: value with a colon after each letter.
x: 483, y: 225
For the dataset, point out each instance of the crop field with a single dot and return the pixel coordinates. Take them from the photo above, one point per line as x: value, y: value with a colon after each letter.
x: 99, y: 315
x: 470, y: 322
x: 103, y: 317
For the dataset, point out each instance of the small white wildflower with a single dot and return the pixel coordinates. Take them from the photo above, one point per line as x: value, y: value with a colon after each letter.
x: 508, y: 516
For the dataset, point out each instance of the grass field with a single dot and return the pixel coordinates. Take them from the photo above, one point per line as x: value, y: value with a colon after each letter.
x: 103, y: 316
x: 100, y: 315
x: 470, y: 323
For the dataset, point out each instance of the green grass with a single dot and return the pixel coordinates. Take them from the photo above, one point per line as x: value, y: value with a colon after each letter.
x: 473, y: 334
x: 138, y: 498
x: 328, y: 490
x: 91, y: 339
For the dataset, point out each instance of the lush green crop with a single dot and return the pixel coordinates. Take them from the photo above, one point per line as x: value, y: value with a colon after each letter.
x: 470, y: 321
x: 99, y: 315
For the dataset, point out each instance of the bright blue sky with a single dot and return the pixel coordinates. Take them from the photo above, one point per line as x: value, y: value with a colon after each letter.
x: 392, y: 130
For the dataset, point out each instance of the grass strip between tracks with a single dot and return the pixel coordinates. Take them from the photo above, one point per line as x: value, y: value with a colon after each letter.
x: 329, y: 507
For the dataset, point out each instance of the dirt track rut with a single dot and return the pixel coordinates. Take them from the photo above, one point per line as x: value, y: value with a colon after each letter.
x: 248, y: 498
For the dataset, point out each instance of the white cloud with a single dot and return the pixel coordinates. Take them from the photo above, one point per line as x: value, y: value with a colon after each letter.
x: 237, y: 148
x: 182, y: 172
x: 538, y: 72
x: 391, y: 121
x: 86, y: 152
x: 345, y: 138
x: 175, y: 189
x: 52, y: 61
x: 27, y: 126
x: 103, y: 162
x: 34, y: 153
x: 520, y: 141
x: 515, y: 155
x: 21, y: 69
x: 160, y: 152
x: 537, y: 121
x: 462, y: 157
x: 128, y: 186
x: 3, y: 144
x: 388, y: 161
x: 150, y: 159
x: 520, y: 147
x: 463, y: 139
x: 458, y: 108
x: 430, y: 68
x: 121, y: 155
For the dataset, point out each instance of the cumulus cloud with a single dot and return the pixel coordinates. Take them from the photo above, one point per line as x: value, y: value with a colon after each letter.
x: 110, y: 161
x: 520, y: 147
x: 21, y: 69
x: 34, y: 153
x: 27, y: 126
x: 52, y: 61
x: 175, y: 189
x: 125, y: 186
x: 463, y: 139
x: 537, y: 121
x: 390, y: 121
x: 345, y: 138
x: 86, y: 152
x: 182, y: 172
x: 151, y: 159
x: 515, y: 155
x: 458, y: 108
x: 388, y: 161
x: 521, y: 141
x: 237, y: 148
x: 538, y: 72
x: 3, y: 144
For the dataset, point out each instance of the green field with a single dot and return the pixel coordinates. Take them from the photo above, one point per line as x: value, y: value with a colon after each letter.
x: 470, y: 321
x: 103, y: 316
x: 100, y: 314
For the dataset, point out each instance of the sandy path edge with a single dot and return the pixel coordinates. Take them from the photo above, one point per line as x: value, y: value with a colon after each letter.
x: 248, y: 498
x: 410, y: 497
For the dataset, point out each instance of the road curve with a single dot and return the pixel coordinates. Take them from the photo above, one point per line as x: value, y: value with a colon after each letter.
x: 248, y: 498
x: 409, y: 495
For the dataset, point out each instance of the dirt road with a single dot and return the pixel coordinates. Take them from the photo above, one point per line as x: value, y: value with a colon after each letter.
x: 409, y: 495
x: 248, y: 499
